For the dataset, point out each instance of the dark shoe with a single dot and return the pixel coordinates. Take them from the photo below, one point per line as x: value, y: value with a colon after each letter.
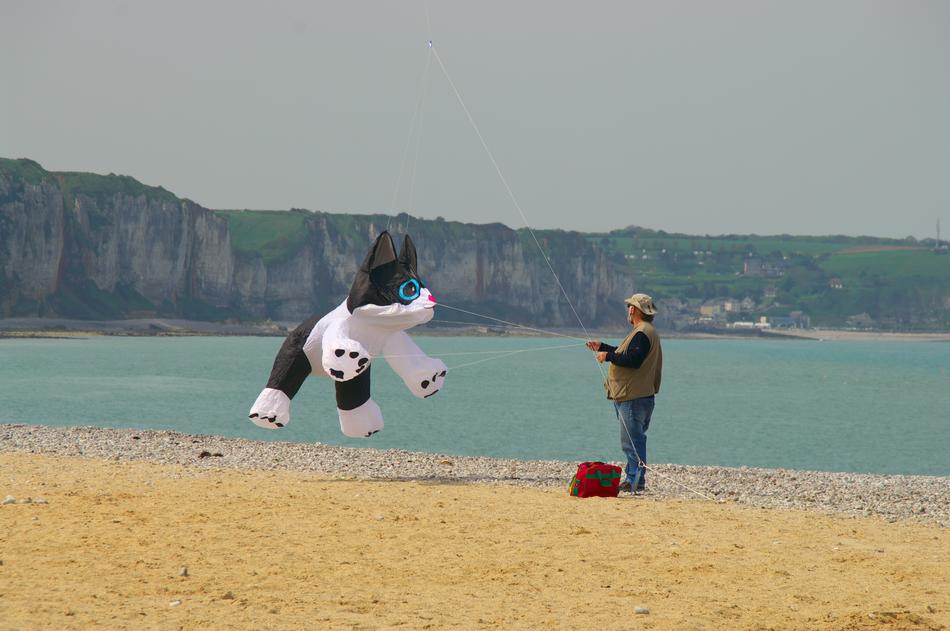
x: 624, y: 487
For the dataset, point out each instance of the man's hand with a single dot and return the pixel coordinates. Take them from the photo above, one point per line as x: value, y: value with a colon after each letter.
x: 593, y: 345
x: 602, y: 357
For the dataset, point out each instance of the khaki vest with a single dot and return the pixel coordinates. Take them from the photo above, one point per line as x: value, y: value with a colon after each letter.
x: 624, y: 384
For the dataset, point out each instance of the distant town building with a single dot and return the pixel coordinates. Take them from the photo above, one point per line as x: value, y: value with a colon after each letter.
x: 761, y: 323
x: 801, y: 319
x: 731, y: 306
x: 861, y: 321
x: 794, y: 320
x: 758, y: 267
x: 835, y: 283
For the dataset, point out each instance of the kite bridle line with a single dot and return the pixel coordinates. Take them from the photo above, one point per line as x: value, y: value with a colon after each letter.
x: 510, y: 324
x: 498, y: 354
x: 419, y: 112
x: 513, y: 328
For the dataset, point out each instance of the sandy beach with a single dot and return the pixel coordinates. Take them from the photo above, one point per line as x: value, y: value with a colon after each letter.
x: 120, y: 543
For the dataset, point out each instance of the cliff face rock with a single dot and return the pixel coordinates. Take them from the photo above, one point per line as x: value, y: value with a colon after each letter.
x: 163, y: 250
x: 72, y: 246
x: 32, y: 237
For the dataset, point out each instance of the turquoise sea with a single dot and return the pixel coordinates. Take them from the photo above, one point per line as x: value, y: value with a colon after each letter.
x: 870, y: 407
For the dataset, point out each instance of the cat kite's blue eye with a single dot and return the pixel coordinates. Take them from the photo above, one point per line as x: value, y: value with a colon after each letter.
x: 409, y: 290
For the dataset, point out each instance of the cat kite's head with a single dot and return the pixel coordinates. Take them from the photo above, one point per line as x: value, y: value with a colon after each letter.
x: 387, y: 287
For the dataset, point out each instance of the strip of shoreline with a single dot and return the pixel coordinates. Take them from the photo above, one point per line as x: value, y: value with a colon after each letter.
x: 921, y: 499
x: 164, y: 327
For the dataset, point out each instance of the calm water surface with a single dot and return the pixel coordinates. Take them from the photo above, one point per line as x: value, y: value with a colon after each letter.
x: 833, y: 406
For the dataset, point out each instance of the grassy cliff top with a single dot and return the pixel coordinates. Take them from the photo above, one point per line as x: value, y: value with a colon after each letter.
x: 272, y: 234
x: 73, y: 183
x: 24, y: 169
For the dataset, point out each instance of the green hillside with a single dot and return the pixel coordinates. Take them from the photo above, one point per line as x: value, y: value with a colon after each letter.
x: 72, y: 183
x: 278, y: 235
x: 896, y: 283
x: 27, y: 170
x: 895, y: 264
x: 104, y: 187
x: 274, y: 235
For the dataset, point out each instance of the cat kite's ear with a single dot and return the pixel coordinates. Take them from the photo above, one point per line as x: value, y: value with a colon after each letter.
x: 407, y: 256
x: 380, y: 263
x: 382, y: 253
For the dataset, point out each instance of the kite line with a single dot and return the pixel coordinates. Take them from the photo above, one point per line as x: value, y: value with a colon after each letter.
x: 435, y: 53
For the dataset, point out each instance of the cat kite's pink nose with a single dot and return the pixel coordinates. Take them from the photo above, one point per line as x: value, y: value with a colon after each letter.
x: 431, y: 298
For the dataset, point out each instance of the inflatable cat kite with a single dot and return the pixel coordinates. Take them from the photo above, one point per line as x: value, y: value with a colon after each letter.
x: 387, y: 297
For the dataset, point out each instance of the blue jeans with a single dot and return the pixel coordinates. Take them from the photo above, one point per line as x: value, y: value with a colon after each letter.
x: 634, y: 416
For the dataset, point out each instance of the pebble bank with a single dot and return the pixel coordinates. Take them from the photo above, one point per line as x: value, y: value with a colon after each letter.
x: 924, y: 499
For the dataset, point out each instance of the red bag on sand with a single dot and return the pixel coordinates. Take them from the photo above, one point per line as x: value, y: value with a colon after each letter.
x: 595, y: 479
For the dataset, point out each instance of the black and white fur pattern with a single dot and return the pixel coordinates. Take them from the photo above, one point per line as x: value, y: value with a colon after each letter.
x: 386, y: 299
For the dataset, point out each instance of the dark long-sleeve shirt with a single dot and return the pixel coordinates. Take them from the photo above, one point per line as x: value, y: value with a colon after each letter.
x: 636, y: 352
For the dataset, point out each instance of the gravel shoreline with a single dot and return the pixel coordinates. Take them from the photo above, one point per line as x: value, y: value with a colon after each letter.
x: 923, y: 499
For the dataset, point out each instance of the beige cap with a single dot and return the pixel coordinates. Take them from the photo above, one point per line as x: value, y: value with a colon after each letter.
x: 642, y: 302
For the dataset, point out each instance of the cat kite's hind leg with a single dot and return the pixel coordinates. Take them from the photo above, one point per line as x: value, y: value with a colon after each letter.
x: 360, y: 417
x: 271, y: 410
x: 348, y: 363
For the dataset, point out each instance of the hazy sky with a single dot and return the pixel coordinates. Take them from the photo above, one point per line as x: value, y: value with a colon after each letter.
x: 802, y: 117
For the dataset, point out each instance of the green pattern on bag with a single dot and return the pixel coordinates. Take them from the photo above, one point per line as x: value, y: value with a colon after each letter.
x: 605, y: 478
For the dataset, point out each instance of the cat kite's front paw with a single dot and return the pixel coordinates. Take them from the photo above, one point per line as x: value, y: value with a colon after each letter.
x: 345, y: 359
x: 271, y: 410
x: 432, y: 385
x: 427, y: 379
